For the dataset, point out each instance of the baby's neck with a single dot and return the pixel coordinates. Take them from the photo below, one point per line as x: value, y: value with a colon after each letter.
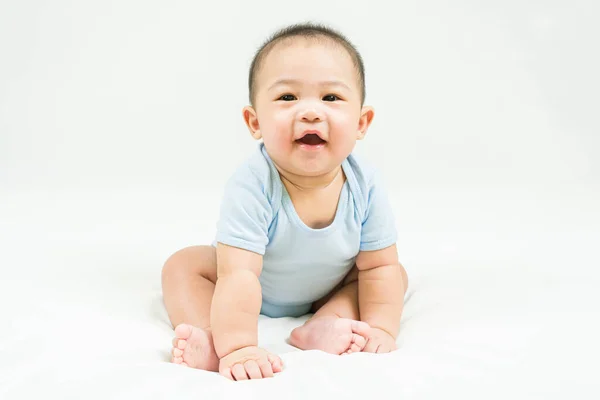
x: 310, y: 183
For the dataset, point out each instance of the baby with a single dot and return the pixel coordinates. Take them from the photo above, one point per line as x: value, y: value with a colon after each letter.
x: 304, y: 226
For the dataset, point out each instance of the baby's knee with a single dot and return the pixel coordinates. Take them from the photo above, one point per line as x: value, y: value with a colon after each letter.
x: 194, y: 260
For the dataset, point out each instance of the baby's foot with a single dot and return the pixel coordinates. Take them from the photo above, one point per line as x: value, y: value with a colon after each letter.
x: 332, y: 335
x: 194, y: 347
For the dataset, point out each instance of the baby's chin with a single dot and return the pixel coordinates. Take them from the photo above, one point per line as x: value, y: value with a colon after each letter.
x: 305, y: 164
x: 310, y: 169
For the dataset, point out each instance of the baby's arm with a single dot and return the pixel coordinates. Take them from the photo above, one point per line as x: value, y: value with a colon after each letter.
x: 382, y: 282
x: 234, y: 316
x: 237, y: 300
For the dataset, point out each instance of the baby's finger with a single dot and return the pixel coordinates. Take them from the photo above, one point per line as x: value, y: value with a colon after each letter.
x: 384, y: 348
x: 361, y: 328
x: 252, y: 369
x: 389, y: 347
x: 354, y: 349
x: 265, y: 368
x: 275, y: 362
x: 239, y: 373
x: 227, y: 373
x: 370, y: 347
x: 358, y: 342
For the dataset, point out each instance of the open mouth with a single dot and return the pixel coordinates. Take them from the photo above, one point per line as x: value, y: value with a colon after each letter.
x: 311, y: 139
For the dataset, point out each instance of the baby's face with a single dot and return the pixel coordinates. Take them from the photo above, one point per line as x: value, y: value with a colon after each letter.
x: 308, y: 107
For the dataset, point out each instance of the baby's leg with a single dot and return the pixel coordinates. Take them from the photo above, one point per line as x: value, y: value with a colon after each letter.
x: 335, y: 327
x: 188, y: 283
x: 342, y: 302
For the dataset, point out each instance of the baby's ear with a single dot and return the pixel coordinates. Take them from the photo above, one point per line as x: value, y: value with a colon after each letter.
x: 366, y: 117
x: 251, y: 120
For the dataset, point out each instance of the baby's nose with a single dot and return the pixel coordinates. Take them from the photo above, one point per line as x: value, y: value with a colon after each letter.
x: 311, y: 114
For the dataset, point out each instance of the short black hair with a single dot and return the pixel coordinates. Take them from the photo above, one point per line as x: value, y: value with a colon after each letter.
x: 305, y: 30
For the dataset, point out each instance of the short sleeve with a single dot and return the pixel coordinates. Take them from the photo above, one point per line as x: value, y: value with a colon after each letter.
x: 245, y: 213
x: 379, y: 224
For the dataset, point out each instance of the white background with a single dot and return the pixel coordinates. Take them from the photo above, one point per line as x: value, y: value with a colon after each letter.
x: 121, y: 120
x: 486, y: 113
x: 114, y: 94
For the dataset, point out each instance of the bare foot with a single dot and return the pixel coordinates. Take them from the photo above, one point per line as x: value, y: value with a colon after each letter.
x: 193, y: 347
x: 332, y: 335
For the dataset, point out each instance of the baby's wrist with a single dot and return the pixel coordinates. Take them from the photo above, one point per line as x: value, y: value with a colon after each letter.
x: 383, y: 330
x: 227, y: 343
x: 239, y: 349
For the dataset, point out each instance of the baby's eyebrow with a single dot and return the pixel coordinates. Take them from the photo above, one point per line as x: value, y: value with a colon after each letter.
x: 296, y: 81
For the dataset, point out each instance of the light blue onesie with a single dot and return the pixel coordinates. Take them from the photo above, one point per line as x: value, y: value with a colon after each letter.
x: 301, y: 264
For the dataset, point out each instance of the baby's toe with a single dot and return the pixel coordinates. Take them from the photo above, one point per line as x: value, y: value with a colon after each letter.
x: 183, y: 331
x: 179, y: 343
x: 177, y: 360
x: 177, y: 352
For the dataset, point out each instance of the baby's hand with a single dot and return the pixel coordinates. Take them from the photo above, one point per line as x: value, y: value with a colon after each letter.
x: 249, y: 363
x: 380, y: 342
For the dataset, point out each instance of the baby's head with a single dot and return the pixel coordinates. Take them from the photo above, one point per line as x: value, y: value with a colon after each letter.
x: 307, y: 90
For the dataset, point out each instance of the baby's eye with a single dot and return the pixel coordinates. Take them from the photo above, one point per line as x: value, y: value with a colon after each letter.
x: 287, y: 97
x: 330, y: 97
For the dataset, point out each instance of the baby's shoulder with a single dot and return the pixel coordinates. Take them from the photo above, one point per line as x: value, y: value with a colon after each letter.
x: 365, y: 182
x: 364, y: 171
x: 255, y: 174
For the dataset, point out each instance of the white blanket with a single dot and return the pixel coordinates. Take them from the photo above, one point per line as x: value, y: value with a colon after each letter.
x: 502, y: 300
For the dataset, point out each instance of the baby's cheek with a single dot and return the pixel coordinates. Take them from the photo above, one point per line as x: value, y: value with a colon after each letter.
x: 277, y: 146
x: 283, y: 139
x: 277, y: 142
